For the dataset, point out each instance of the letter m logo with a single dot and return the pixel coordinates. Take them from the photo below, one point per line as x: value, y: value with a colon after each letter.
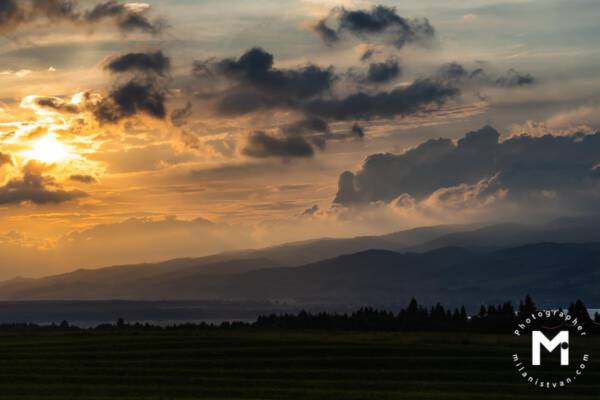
x: 538, y: 339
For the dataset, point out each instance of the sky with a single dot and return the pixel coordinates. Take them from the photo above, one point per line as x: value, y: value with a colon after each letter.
x: 137, y: 132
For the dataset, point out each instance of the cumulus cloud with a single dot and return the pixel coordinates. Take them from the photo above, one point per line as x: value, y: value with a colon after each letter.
x: 553, y: 170
x: 35, y: 187
x: 258, y: 84
x: 263, y: 145
x: 155, y: 62
x: 400, y: 101
x: 380, y: 22
x: 382, y: 72
x: 582, y: 119
x: 145, y: 93
x: 131, y: 98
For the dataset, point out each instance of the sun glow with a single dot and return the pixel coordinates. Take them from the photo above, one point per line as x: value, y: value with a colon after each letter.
x: 49, y: 149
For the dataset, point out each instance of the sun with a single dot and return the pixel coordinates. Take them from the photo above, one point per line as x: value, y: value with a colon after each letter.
x: 49, y: 149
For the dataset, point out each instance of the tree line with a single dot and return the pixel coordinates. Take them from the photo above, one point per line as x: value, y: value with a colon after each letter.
x: 414, y: 318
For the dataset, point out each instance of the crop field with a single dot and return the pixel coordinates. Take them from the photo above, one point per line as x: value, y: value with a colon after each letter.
x: 250, y: 365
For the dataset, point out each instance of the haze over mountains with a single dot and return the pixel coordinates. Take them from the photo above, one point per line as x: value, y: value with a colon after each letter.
x: 555, y: 262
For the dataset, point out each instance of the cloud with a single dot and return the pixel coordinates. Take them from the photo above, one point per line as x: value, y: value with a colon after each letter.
x: 180, y: 115
x: 306, y: 125
x: 57, y: 104
x: 582, y: 119
x: 131, y: 98
x: 513, y: 78
x: 6, y: 159
x: 543, y: 172
x: 155, y: 62
x: 262, y: 145
x: 400, y: 101
x: 126, y: 17
x: 144, y: 93
x: 87, y: 179
x: 457, y: 73
x: 55, y: 9
x: 258, y: 84
x: 310, y: 211
x: 316, y: 132
x: 358, y: 131
x: 36, y: 188
x: 327, y: 34
x: 379, y: 21
x: 383, y: 72
x: 11, y: 15
x: 368, y: 54
x: 253, y: 84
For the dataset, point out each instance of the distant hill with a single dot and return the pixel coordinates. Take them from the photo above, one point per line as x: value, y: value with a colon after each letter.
x: 127, y: 282
x: 552, y: 273
x: 493, y: 237
x: 454, y: 264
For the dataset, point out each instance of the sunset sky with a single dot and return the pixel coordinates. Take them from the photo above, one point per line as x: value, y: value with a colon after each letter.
x: 134, y: 132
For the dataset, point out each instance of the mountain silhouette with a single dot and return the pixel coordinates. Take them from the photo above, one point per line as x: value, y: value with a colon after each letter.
x: 454, y: 264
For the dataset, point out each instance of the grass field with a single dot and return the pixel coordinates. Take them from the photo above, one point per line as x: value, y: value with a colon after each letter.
x: 245, y: 365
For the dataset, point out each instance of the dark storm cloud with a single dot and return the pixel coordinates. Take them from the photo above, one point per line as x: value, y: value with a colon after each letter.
x: 383, y: 72
x: 131, y: 98
x: 87, y: 179
x: 260, y: 85
x: 262, y: 145
x: 378, y: 21
x: 388, y: 104
x: 5, y: 159
x: 457, y: 73
x: 155, y: 62
x: 14, y: 13
x: 530, y: 169
x: 34, y: 187
x: 124, y: 17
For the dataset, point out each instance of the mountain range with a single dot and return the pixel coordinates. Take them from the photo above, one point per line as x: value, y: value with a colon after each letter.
x: 556, y: 262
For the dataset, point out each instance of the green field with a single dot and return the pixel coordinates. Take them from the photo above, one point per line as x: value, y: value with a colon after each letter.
x: 246, y: 365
